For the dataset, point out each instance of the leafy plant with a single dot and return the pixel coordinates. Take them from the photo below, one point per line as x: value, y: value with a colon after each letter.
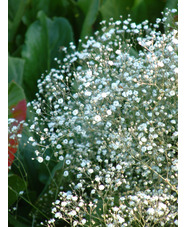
x: 44, y: 40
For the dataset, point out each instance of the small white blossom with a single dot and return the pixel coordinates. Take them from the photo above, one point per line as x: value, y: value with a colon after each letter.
x: 75, y: 112
x: 97, y: 118
x: 66, y: 173
x: 40, y: 159
x: 101, y: 187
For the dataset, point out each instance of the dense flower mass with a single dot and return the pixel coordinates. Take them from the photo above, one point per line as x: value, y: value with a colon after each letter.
x: 109, y: 114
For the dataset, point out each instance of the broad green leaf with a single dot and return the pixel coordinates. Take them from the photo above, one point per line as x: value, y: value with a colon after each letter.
x: 15, y: 96
x: 171, y: 4
x: 14, y: 222
x: 36, y: 55
x: 58, y: 167
x: 15, y: 186
x: 60, y: 34
x: 16, y: 9
x: 15, y: 69
x: 33, y: 168
x: 90, y: 18
x: 84, y: 5
x: 115, y: 8
x: 154, y: 10
x: 43, y: 41
x: 139, y: 11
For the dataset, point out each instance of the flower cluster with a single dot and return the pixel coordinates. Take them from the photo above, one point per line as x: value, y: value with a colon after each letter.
x: 14, y: 136
x: 109, y: 113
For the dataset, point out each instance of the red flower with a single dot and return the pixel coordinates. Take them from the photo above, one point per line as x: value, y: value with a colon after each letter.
x: 18, y: 112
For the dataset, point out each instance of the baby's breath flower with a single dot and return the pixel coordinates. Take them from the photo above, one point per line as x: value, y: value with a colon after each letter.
x: 101, y: 187
x: 40, y: 159
x: 114, y: 129
x: 97, y: 118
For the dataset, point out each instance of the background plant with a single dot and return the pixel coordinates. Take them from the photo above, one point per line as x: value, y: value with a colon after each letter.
x: 37, y: 176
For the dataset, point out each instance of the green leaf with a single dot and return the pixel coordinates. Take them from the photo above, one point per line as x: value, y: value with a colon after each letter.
x: 60, y: 34
x: 171, y: 4
x: 115, y: 8
x: 90, y: 18
x: 15, y: 186
x: 59, y: 166
x: 16, y: 9
x: 84, y: 5
x: 36, y: 55
x: 15, y: 95
x: 153, y: 9
x: 14, y: 222
x: 32, y: 168
x: 139, y: 11
x: 15, y: 69
x: 43, y: 41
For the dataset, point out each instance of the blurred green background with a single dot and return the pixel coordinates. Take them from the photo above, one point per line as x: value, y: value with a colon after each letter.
x: 37, y: 30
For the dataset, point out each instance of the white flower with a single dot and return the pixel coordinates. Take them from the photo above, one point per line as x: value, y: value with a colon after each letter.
x: 58, y: 146
x: 65, y: 141
x: 38, y: 111
x: 72, y: 213
x: 31, y: 139
x: 174, y: 10
x: 169, y: 48
x: 75, y: 112
x: 83, y: 221
x: 110, y: 63
x: 104, y: 94
x: 74, y: 198
x: 114, y: 86
x: 118, y: 51
x: 68, y: 162
x: 79, y: 185
x: 63, y: 204
x: 150, y: 211
x: 97, y: 178
x: 115, y: 209
x: 56, y: 106
x: 101, y: 187
x: 161, y: 150
x: 116, y: 103
x: 57, y: 201
x: 61, y: 158
x: 120, y: 219
x: 89, y: 73
x: 143, y: 139
x: 90, y: 171
x: 47, y: 158
x: 65, y: 174
x: 160, y: 64
x: 40, y: 159
x: 58, y: 215
x: 97, y: 45
x: 133, y: 25
x: 60, y: 101
x: 162, y: 206
x: 109, y: 112
x: 172, y: 93
x: 118, y: 167
x: 97, y: 118
x: 88, y: 93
